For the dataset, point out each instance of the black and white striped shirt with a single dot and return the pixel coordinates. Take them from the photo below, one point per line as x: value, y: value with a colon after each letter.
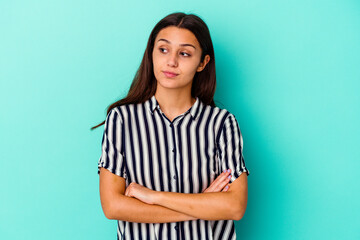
x: 185, y: 155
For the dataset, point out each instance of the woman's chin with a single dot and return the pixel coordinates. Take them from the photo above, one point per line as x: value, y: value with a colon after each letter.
x: 170, y: 85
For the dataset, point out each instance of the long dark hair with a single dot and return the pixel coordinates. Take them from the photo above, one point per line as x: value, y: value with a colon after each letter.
x: 143, y: 86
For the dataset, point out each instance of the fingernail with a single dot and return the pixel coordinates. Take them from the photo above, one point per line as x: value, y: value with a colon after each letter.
x: 229, y: 177
x: 228, y: 170
x: 224, y: 170
x: 227, y: 187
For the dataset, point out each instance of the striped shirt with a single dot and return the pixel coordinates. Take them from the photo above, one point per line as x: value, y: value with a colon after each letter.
x: 185, y: 155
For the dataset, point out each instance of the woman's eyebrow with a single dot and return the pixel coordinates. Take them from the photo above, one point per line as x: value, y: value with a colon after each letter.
x: 184, y: 44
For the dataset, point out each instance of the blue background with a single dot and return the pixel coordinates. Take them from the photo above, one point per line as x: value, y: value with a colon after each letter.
x: 288, y: 70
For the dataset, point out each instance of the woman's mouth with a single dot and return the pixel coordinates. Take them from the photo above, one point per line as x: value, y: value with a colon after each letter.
x: 170, y: 74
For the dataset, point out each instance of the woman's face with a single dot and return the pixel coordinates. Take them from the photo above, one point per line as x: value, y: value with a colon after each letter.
x: 176, y: 58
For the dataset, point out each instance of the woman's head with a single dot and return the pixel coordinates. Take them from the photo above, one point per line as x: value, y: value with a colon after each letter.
x: 163, y: 53
x: 174, y: 28
x: 176, y: 59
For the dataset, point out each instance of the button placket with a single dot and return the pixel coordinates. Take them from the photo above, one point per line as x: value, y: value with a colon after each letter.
x: 173, y: 156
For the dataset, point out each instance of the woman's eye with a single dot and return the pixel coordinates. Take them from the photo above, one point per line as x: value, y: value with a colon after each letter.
x: 163, y: 50
x: 186, y: 54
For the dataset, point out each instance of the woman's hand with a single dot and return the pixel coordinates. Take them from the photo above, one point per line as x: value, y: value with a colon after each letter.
x: 142, y: 193
x: 220, y: 183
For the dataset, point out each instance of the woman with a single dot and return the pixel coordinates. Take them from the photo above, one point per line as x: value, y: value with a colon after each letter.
x: 171, y: 164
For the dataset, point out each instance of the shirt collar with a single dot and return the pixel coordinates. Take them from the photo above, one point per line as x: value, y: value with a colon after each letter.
x: 152, y: 104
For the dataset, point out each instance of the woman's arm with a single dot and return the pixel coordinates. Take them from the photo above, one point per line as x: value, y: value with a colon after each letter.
x: 208, y: 206
x: 120, y: 207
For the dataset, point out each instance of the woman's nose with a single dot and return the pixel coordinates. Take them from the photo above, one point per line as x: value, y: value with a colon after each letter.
x: 172, y: 60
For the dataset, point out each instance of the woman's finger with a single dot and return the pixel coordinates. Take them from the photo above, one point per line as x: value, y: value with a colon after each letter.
x: 219, y: 183
x: 225, y: 188
x: 223, y: 183
x: 215, y: 183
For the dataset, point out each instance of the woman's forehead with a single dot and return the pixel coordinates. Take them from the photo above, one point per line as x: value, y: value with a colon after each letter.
x: 176, y: 36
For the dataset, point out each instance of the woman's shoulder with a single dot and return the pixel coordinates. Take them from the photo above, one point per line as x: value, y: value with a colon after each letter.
x: 223, y: 116
x: 218, y: 111
x: 126, y: 109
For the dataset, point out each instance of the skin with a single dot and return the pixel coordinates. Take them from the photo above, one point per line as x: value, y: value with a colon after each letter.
x: 230, y: 204
x: 116, y: 205
x: 174, y: 94
x: 137, y: 203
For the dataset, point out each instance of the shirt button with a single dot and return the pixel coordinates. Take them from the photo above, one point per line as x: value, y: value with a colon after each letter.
x: 176, y: 228
x: 173, y: 150
x: 174, y: 177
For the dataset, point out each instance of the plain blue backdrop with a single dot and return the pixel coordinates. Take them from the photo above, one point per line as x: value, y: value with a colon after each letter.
x: 288, y: 70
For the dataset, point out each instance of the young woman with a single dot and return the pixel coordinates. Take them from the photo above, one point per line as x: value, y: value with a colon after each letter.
x: 172, y: 163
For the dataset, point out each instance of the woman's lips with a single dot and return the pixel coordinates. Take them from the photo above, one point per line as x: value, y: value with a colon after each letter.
x: 170, y: 74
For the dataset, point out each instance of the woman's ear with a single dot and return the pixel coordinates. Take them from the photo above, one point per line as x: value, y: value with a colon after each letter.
x: 203, y: 63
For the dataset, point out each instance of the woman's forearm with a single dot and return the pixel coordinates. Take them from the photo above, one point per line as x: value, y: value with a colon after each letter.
x: 230, y: 204
x: 207, y: 206
x: 133, y: 210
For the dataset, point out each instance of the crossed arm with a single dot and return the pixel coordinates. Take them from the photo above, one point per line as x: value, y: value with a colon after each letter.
x: 137, y: 203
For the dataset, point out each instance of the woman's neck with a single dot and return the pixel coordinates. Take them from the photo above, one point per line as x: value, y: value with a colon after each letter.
x: 174, y: 103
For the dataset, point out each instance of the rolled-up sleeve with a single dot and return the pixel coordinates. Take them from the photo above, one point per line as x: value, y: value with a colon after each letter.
x: 230, y: 148
x: 112, y: 157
